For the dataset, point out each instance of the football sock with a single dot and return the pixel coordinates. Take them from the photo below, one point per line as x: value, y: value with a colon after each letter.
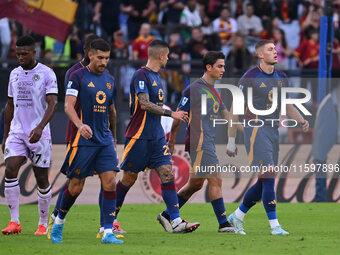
x: 60, y: 196
x: 44, y: 201
x: 66, y: 203
x: 12, y: 192
x: 122, y: 190
x: 100, y: 201
x: 108, y: 208
x: 268, y: 198
x: 169, y: 195
x: 181, y: 202
x: 219, y: 209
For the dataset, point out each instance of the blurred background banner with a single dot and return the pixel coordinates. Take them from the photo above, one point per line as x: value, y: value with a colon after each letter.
x: 46, y: 17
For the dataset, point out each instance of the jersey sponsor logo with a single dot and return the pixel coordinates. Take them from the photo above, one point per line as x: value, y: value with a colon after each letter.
x: 184, y: 101
x: 101, y: 97
x: 216, y: 107
x: 154, y: 83
x: 263, y: 85
x: 108, y: 85
x: 270, y: 95
x: 160, y: 94
x: 36, y: 77
x: 141, y: 84
x: 91, y: 85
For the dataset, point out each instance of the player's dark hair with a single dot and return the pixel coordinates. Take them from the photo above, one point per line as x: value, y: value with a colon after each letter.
x: 155, y: 46
x: 89, y: 40
x: 261, y: 43
x: 100, y: 44
x: 211, y: 57
x: 25, y: 40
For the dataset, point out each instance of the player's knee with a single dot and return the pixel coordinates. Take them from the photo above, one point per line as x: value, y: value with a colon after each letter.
x: 42, y: 182
x: 109, y: 184
x: 75, y: 187
x: 11, y: 172
x: 129, y: 178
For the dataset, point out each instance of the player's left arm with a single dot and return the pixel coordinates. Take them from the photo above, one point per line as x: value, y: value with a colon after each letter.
x: 113, y: 121
x: 36, y: 133
x: 294, y: 114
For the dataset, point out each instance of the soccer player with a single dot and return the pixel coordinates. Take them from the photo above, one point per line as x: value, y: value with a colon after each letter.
x: 200, y: 139
x: 262, y: 143
x: 145, y: 145
x: 92, y: 149
x: 71, y: 131
x: 32, y: 100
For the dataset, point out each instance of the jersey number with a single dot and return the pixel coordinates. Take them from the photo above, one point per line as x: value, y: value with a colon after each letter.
x: 166, y: 151
x: 37, y: 156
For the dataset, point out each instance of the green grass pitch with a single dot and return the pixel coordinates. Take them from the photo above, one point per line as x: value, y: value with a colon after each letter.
x: 314, y: 229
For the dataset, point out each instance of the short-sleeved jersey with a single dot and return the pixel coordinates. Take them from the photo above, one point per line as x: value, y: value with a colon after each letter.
x: 95, y: 93
x: 29, y: 88
x: 263, y: 84
x: 144, y: 124
x: 71, y: 129
x: 201, y: 132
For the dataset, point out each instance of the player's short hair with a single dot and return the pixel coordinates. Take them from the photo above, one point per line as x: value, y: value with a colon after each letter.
x: 100, y: 44
x: 211, y: 57
x: 89, y: 40
x: 155, y: 46
x: 25, y: 40
x: 261, y: 43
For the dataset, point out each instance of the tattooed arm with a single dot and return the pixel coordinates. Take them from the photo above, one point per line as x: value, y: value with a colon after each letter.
x: 155, y: 109
x: 146, y: 105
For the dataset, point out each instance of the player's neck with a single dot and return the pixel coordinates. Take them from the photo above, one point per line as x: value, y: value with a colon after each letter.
x: 154, y: 66
x: 208, y: 79
x: 85, y: 61
x: 31, y: 66
x: 268, y: 69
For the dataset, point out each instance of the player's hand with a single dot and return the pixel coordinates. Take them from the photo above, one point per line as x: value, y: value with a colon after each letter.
x: 305, y: 125
x: 231, y: 147
x: 35, y: 134
x: 85, y: 131
x: 180, y: 115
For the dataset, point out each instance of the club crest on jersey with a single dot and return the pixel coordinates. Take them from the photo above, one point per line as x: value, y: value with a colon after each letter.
x: 141, y: 84
x: 36, y: 77
x: 108, y: 85
x: 184, y: 101
x: 69, y: 84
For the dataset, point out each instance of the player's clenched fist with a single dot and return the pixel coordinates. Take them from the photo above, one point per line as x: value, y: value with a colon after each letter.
x: 85, y: 131
x: 180, y: 115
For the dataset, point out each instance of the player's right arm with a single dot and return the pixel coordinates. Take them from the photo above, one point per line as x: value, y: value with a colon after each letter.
x: 70, y: 101
x: 9, y: 111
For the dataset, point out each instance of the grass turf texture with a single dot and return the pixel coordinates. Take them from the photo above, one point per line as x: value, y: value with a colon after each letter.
x: 314, y: 229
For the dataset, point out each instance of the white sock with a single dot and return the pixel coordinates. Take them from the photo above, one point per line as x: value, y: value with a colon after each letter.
x: 176, y: 221
x: 274, y: 223
x: 44, y: 201
x: 101, y: 229
x: 239, y: 214
x: 59, y: 221
x: 107, y: 230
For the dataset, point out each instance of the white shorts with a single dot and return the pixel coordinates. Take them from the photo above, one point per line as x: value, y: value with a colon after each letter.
x: 39, y: 153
